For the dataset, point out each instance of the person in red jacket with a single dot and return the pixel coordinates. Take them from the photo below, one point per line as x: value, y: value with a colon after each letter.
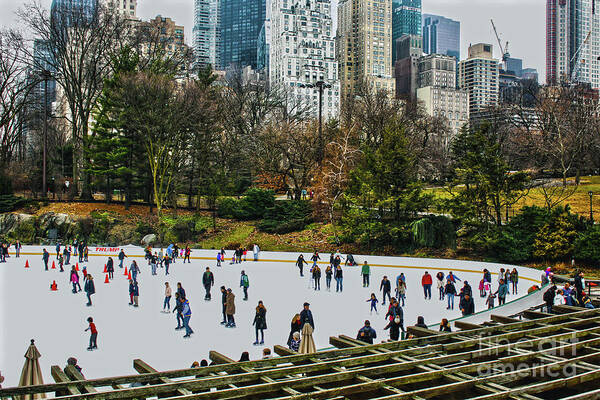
x: 93, y: 334
x: 427, y: 281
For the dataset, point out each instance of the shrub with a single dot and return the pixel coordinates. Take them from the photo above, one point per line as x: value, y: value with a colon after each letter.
x: 434, y: 231
x: 286, y: 216
x: 252, y: 206
x: 587, y: 245
x: 555, y: 240
x: 9, y: 202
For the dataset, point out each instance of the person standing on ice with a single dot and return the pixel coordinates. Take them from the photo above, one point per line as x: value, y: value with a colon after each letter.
x: 208, y: 280
x: 467, y: 306
x: 295, y: 327
x: 136, y: 293
x: 328, y: 275
x: 300, y: 263
x: 89, y: 288
x: 57, y: 250
x: 188, y: 253
x: 450, y: 291
x: 121, y: 258
x: 386, y: 286
x: 153, y: 262
x: 316, y: 274
x: 514, y: 280
x: 373, y: 301
x: 67, y: 254
x: 426, y: 281
x: 178, y: 310
x: 219, y: 259
x: 365, y: 272
x: 45, y: 257
x: 93, y: 334
x: 255, y: 251
x: 134, y: 269
x: 17, y: 249
x: 502, y: 292
x: 224, y: 304
x: 230, y: 309
x: 167, y: 261
x: 167, y: 302
x: 187, y: 314
x: 244, y: 284
x: 440, y: 284
x: 453, y: 278
x: 260, y: 322
x: 180, y: 290
x: 306, y: 317
x: 61, y: 260
x: 110, y: 267
x: 402, y: 292
x: 315, y: 257
x: 75, y: 280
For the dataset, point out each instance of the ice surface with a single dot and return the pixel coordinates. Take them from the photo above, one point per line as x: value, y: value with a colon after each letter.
x: 56, y: 320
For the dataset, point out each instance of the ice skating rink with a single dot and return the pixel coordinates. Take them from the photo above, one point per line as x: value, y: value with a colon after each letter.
x: 56, y: 320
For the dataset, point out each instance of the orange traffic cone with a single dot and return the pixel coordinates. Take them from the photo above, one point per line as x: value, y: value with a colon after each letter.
x: 76, y: 266
x: 53, y: 265
x: 106, y: 279
x: 129, y: 276
x: 125, y: 273
x: 26, y: 263
x: 54, y: 286
x: 105, y: 271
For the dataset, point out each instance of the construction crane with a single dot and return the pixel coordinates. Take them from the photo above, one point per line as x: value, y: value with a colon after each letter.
x: 503, y: 50
x: 578, y: 61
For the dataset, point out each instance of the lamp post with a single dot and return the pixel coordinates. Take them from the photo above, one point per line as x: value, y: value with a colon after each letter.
x: 591, y: 194
x: 46, y: 76
x: 321, y: 85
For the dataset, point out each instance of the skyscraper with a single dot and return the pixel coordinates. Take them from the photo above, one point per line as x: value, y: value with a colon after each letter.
x: 409, y: 49
x: 206, y: 32
x: 69, y: 12
x: 441, y: 35
x: 303, y: 54
x: 478, y: 75
x: 239, y: 25
x: 364, y: 44
x: 572, y: 37
x: 126, y: 7
x: 406, y: 20
x: 264, y: 47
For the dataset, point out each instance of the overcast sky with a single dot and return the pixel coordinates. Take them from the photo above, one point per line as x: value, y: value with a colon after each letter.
x: 520, y: 22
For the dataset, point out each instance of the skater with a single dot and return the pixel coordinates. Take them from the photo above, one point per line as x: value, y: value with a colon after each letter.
x: 230, y: 309
x: 339, y: 279
x: 490, y: 300
x: 255, y: 251
x: 224, y: 304
x: 208, y: 280
x: 426, y: 281
x: 180, y: 290
x: 294, y: 343
x: 153, y: 262
x: 167, y: 302
x: 401, y: 289
x: 133, y: 293
x: 350, y: 260
x: 295, y: 327
x: 487, y: 275
x: 178, y: 310
x: 316, y: 274
x: 466, y: 305
x: 365, y: 272
x: 328, y: 275
x: 400, y: 278
x: 245, y: 251
x: 110, y: 268
x: 188, y: 252
x: 503, y: 291
x: 121, y: 257
x: 453, y: 278
x: 187, y: 314
x: 373, y: 301
x: 57, y: 250
x: 445, y: 326
x: 219, y: 259
x: 89, y: 288
x: 440, y: 284
x: 300, y: 263
x: 167, y: 261
x: 86, y: 252
x: 75, y: 280
x: 306, y: 316
x: 93, y: 334
x: 67, y: 254
x: 315, y: 257
x: 514, y: 280
x: 61, y: 261
x: 386, y: 286
x: 366, y: 333
x: 482, y: 288
x: 450, y: 291
x: 396, y: 318
x: 134, y: 270
x: 45, y: 258
x: 466, y: 289
x: 244, y: 284
x: 260, y: 322
x: 17, y: 249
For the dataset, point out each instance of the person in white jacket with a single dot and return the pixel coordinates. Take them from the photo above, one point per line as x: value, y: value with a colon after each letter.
x: 256, y: 250
x: 559, y: 299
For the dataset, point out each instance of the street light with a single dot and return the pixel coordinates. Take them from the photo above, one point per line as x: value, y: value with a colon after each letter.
x: 591, y: 194
x: 46, y: 76
x: 321, y: 85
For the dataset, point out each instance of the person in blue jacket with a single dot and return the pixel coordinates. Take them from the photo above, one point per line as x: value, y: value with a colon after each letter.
x: 187, y: 314
x: 306, y: 316
x: 366, y: 333
x: 502, y: 292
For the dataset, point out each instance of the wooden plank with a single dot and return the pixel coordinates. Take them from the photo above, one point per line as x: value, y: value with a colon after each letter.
x: 74, y: 374
x: 503, y: 319
x: 535, y: 314
x: 466, y: 326
x: 59, y: 376
x: 144, y: 368
x: 565, y: 309
x: 283, y: 351
x: 420, y: 332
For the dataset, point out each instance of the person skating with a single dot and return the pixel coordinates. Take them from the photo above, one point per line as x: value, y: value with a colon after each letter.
x: 401, y: 289
x: 295, y: 326
x: 178, y: 310
x: 167, y: 302
x: 315, y: 258
x: 373, y: 300
x: 17, y: 249
x: 230, y: 309
x: 426, y: 281
x: 134, y: 269
x: 93, y: 334
x: 219, y: 260
x: 121, y: 258
x: 208, y: 280
x: 188, y: 253
x: 45, y: 257
x: 75, y: 280
x: 514, y: 280
x: 306, y: 316
x: 453, y: 278
x: 466, y: 289
x: 180, y: 290
x: 502, y: 292
x: 255, y: 251
x: 260, y: 322
x: 490, y: 300
x: 187, y: 315
x: 244, y: 284
x: 339, y: 279
x: 300, y: 263
x: 135, y: 292
x: 67, y: 254
x: 466, y: 305
x: 224, y: 304
x: 316, y: 274
x: 57, y: 250
x: 153, y: 262
x: 440, y: 284
x: 396, y: 318
x: 450, y: 291
x: 110, y: 268
x: 328, y: 275
x: 386, y: 286
x: 61, y: 261
x: 366, y: 334
x: 89, y: 288
x: 365, y: 272
x: 167, y: 262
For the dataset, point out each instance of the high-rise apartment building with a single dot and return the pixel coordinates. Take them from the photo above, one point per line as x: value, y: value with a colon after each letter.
x: 409, y: 49
x: 572, y: 37
x: 406, y: 20
x: 127, y: 8
x: 302, y: 55
x: 206, y: 32
x: 441, y: 35
x: 478, y: 75
x: 364, y: 44
x: 170, y: 36
x: 264, y: 47
x: 69, y: 12
x: 239, y: 25
x: 437, y: 91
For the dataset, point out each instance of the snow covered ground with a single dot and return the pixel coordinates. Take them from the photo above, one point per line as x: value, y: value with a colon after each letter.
x: 56, y: 320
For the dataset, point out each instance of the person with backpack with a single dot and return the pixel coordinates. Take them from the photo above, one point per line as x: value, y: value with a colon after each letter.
x: 260, y: 322
x: 365, y: 272
x: 208, y: 280
x: 244, y: 284
x: 366, y: 333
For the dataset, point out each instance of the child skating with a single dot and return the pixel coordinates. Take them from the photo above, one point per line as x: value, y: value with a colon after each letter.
x: 373, y: 301
x: 93, y: 334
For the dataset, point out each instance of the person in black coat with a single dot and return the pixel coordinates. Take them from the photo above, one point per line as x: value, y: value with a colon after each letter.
x: 579, y: 285
x: 224, y: 304
x: 178, y: 309
x: 294, y: 327
x: 386, y: 286
x: 89, y: 288
x: 421, y: 322
x: 260, y: 322
x: 180, y: 290
x: 300, y: 263
x: 366, y: 333
x: 110, y: 267
x: 467, y: 306
x: 208, y: 280
x: 450, y: 291
x: 306, y: 317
